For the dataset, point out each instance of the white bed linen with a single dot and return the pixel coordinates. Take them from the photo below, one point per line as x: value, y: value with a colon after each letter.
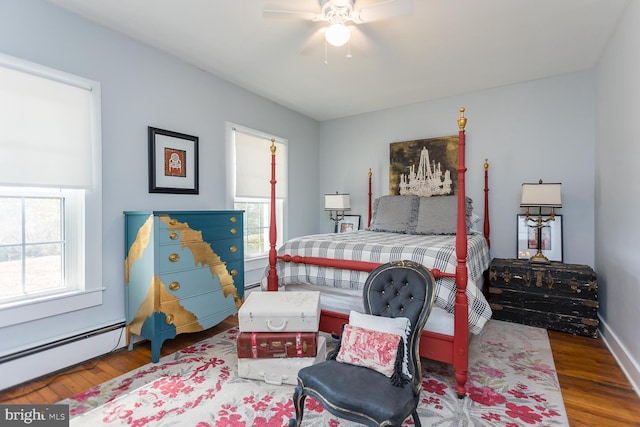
x: 433, y: 251
x: 345, y: 300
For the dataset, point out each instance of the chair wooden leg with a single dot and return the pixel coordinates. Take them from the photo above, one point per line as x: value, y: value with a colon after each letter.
x: 298, y: 401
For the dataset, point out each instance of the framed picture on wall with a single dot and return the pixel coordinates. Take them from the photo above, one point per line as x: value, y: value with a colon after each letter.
x: 173, y: 162
x: 348, y: 223
x: 551, y: 238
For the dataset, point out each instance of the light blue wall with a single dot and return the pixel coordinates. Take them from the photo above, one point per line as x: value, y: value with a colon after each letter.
x: 543, y: 129
x: 616, y: 192
x: 144, y: 87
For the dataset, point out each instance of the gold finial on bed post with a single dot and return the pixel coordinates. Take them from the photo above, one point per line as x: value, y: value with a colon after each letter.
x: 486, y: 164
x: 273, y: 146
x: 462, y: 120
x: 370, y: 173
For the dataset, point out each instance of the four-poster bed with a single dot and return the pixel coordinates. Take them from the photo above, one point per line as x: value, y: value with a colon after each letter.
x: 337, y: 264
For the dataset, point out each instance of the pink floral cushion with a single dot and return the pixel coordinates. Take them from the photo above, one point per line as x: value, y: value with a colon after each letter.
x: 368, y: 348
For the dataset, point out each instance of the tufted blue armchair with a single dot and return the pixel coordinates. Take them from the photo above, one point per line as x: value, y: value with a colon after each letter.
x: 356, y: 393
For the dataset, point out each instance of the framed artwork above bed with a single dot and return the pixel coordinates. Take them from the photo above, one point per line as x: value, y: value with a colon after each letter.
x: 424, y: 167
x: 348, y: 223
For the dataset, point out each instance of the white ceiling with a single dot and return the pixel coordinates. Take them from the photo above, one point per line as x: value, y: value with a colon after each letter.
x: 444, y: 48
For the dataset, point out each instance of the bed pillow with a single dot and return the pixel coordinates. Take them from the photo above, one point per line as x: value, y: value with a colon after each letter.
x: 397, y: 214
x: 368, y: 348
x: 437, y: 215
x: 393, y: 325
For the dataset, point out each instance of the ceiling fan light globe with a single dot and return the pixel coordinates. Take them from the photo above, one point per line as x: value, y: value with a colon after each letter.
x: 337, y: 34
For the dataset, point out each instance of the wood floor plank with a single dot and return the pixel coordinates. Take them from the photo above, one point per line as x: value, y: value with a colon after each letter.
x: 594, y: 389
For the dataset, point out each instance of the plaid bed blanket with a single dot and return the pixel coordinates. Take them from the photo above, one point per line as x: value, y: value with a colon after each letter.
x: 433, y: 251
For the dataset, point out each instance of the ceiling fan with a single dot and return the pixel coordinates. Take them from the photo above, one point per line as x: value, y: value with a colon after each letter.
x: 340, y: 14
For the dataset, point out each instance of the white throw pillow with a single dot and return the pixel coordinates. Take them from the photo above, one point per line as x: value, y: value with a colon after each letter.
x: 398, y: 325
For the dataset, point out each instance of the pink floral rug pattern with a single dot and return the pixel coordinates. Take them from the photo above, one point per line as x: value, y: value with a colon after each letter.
x: 512, y: 382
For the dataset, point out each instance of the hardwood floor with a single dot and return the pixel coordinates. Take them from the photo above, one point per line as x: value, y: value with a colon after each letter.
x: 594, y: 389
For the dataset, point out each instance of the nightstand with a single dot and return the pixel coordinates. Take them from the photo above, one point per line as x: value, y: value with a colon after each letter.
x: 557, y: 296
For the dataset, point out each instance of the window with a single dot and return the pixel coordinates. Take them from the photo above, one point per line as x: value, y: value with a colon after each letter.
x: 252, y: 189
x: 36, y: 256
x: 50, y: 192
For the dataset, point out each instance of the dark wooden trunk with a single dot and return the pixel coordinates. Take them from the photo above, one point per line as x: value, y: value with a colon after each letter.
x: 558, y: 296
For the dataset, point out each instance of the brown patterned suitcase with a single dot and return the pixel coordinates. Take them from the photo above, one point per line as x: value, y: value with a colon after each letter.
x: 253, y: 345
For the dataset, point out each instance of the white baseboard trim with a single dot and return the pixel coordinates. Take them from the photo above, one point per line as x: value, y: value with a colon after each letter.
x: 27, y: 368
x: 628, y: 365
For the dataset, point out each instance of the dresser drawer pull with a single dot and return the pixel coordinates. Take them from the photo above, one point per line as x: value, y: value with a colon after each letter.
x: 234, y: 272
x: 233, y: 231
x: 174, y: 286
x: 233, y: 219
x: 169, y: 319
x: 174, y: 257
x: 173, y: 221
x: 173, y: 236
x: 233, y: 248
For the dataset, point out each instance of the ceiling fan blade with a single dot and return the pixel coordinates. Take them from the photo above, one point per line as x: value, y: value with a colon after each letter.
x: 309, y: 16
x: 280, y: 9
x: 382, y: 9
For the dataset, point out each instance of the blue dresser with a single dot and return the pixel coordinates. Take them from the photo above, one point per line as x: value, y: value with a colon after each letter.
x: 184, y: 272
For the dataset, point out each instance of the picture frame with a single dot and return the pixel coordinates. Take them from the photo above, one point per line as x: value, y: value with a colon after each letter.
x: 173, y: 162
x: 527, y: 238
x: 348, y: 223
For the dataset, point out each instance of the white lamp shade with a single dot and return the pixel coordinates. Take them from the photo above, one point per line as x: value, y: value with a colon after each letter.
x: 544, y: 195
x: 337, y: 202
x: 337, y: 34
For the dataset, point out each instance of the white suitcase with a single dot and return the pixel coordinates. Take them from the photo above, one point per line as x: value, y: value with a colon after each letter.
x: 277, y: 311
x: 278, y: 371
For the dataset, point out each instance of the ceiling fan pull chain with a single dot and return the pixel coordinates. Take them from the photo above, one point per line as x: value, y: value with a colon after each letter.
x: 325, y: 53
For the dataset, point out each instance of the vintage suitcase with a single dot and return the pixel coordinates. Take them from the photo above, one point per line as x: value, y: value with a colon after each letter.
x: 280, y: 312
x: 277, y: 344
x: 557, y: 296
x: 280, y: 371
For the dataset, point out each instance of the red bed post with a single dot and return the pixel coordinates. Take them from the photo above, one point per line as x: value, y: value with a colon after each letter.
x: 486, y: 228
x: 272, y: 277
x: 369, y: 220
x: 461, y: 327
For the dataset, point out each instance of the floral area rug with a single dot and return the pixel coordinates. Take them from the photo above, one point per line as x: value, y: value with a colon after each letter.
x: 512, y: 382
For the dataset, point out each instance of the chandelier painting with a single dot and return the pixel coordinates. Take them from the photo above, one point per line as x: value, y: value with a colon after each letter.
x: 425, y: 167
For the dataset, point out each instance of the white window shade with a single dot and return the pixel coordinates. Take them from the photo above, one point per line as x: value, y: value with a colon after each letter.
x: 253, y: 166
x: 48, y: 126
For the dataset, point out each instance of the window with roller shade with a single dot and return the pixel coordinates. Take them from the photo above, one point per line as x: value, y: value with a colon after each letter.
x: 252, y: 188
x: 50, y: 192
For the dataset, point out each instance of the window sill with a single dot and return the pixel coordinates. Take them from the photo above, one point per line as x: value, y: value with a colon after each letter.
x: 35, y: 309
